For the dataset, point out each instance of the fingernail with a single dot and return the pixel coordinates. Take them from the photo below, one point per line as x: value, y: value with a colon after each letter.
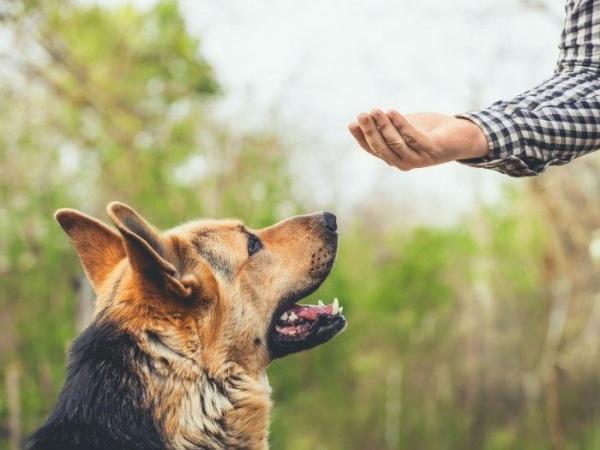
x: 363, y: 118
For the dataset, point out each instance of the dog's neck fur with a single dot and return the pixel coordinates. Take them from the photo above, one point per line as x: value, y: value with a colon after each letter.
x: 133, y: 392
x: 196, y: 402
x: 198, y: 409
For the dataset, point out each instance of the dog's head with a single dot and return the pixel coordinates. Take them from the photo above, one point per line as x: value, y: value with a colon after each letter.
x: 211, y: 291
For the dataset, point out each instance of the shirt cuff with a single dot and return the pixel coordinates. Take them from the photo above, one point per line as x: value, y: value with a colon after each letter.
x: 506, y: 154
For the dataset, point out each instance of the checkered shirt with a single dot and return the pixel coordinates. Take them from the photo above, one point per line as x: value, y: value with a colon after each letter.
x: 558, y: 120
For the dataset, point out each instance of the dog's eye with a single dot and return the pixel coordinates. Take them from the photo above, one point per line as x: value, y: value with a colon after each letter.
x: 254, y: 244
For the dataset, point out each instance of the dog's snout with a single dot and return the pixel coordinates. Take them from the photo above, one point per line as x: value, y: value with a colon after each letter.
x: 330, y: 221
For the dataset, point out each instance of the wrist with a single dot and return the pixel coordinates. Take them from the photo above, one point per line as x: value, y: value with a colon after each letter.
x: 473, y: 142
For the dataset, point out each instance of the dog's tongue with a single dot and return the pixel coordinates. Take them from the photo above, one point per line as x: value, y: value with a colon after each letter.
x: 311, y: 312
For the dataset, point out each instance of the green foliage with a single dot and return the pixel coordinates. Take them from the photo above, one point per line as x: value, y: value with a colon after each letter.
x: 394, y: 378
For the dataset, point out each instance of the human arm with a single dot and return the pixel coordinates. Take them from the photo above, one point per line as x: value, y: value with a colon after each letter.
x: 549, y: 125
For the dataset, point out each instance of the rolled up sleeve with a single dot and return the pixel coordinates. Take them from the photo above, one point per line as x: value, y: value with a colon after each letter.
x: 555, y: 122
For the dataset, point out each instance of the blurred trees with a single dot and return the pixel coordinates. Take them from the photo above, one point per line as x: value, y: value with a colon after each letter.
x: 480, y: 336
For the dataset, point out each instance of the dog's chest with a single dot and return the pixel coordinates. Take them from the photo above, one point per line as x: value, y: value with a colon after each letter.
x: 233, y: 413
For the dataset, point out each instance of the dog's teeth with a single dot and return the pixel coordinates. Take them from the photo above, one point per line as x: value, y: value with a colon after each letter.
x: 335, y: 308
x: 321, y: 303
x: 293, y: 317
x: 284, y: 316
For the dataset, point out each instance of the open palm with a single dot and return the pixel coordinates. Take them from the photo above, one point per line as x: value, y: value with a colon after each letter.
x: 417, y: 140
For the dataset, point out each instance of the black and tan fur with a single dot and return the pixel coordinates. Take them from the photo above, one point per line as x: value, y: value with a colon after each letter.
x: 177, y: 352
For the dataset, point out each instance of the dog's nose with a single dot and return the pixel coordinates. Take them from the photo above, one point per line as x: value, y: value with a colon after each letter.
x: 330, y: 221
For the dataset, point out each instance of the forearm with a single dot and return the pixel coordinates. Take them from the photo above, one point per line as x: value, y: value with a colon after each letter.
x: 549, y: 125
x: 558, y: 120
x: 457, y: 138
x: 461, y: 138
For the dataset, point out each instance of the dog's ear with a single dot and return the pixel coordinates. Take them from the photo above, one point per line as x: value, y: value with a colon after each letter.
x: 147, y: 253
x: 98, y: 246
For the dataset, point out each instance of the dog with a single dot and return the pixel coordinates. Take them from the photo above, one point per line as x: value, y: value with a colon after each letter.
x: 185, y: 325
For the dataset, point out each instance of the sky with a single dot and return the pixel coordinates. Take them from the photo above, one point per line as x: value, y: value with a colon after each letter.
x: 308, y: 68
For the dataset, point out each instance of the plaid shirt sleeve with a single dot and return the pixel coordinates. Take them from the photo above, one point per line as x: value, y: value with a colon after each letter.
x: 556, y: 121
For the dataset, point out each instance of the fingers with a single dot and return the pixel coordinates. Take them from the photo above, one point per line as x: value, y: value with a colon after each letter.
x: 411, y: 136
x: 393, y: 138
x: 377, y: 143
x: 359, y: 136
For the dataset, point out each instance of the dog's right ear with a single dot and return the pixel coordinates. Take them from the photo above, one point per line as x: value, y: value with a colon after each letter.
x: 98, y: 246
x: 147, y: 253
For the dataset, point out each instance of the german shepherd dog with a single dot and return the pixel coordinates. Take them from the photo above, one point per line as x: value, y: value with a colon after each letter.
x: 186, y: 323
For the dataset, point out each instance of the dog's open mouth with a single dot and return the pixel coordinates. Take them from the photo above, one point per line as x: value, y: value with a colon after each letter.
x: 301, y: 327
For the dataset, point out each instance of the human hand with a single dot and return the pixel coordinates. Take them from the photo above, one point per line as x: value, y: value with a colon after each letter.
x: 418, y: 140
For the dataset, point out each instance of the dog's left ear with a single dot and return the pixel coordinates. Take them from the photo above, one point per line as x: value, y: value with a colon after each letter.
x: 148, y: 254
x: 99, y: 247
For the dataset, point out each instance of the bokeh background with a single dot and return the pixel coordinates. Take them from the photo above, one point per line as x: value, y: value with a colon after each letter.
x: 473, y: 299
